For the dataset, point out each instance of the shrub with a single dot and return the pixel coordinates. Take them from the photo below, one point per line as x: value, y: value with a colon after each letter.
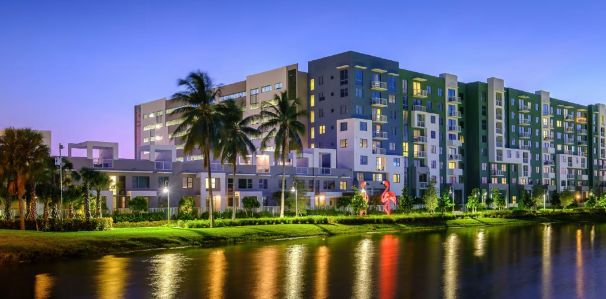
x: 566, y: 199
x: 138, y: 204
x: 343, y: 202
x: 67, y: 225
x: 249, y: 203
x: 128, y: 217
x: 187, y: 205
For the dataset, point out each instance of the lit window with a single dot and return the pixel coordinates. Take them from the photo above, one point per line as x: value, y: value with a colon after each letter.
x: 278, y: 85
x: 312, y: 133
x: 213, y: 183
x: 363, y: 143
x: 311, y: 116
x: 312, y: 84
x: 312, y: 100
x: 322, y: 129
x: 396, y: 178
x: 343, y: 185
x: 343, y: 143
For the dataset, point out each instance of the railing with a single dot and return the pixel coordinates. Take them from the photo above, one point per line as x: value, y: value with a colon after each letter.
x: 548, y: 138
x: 570, y: 176
x: 419, y: 108
x: 454, y: 128
x: 524, y: 134
x: 454, y: 99
x: 581, y: 119
x: 454, y: 113
x: 163, y: 165
x: 303, y: 171
x: 419, y: 93
x: 420, y: 154
x: 420, y: 123
x: 171, y: 211
x: 454, y: 157
x: 378, y: 151
x: 583, y: 131
x: 569, y: 129
x: 499, y: 103
x: 525, y: 146
x: 378, y: 85
x: 548, y: 162
x: 379, y: 102
x: 453, y: 142
x: 325, y: 171
x: 569, y: 117
x: 524, y: 108
x: 497, y: 172
x: 379, y: 135
x: 524, y: 121
x: 420, y: 139
x: 499, y: 130
x: 103, y: 163
x: 379, y: 118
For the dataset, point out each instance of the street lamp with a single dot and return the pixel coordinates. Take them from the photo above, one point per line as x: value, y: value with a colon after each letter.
x: 167, y: 191
x: 451, y: 198
x: 293, y: 189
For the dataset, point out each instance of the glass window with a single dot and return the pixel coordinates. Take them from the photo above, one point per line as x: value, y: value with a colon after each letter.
x: 343, y: 126
x: 363, y: 160
x: 363, y: 126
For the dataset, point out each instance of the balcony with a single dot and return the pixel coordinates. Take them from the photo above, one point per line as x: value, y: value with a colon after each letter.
x: 379, y: 118
x: 571, y: 176
x: 378, y: 135
x: 419, y: 93
x: 569, y: 140
x: 454, y: 142
x: 419, y: 124
x: 454, y: 99
x: 455, y: 157
x: 103, y: 163
x: 497, y: 172
x: 524, y: 108
x: 454, y: 128
x: 378, y: 151
x: 499, y: 131
x: 569, y: 117
x: 419, y: 108
x: 568, y: 152
x: 525, y: 146
x: 420, y: 139
x: 456, y: 114
x: 163, y: 165
x: 548, y: 162
x: 499, y: 103
x: 525, y: 134
x: 379, y: 102
x: 582, y: 119
x: 378, y: 85
x: 499, y: 116
x: 582, y: 132
x: 420, y: 154
x: 524, y: 121
x: 569, y: 129
x: 548, y: 138
x: 304, y: 171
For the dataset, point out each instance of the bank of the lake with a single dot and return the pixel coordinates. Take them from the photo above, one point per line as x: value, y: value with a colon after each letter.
x: 30, y: 246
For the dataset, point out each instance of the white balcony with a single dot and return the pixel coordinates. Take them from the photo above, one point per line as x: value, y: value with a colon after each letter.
x: 456, y: 114
x: 378, y: 135
x: 525, y: 135
x: 379, y: 118
x: 163, y: 165
x: 420, y: 139
x: 419, y: 108
x: 378, y: 151
x: 455, y: 157
x: 379, y: 102
x: 454, y: 128
x: 420, y: 154
x: 378, y: 85
x: 419, y: 93
x: 103, y: 163
x: 524, y: 121
x: 455, y: 99
x: 419, y: 124
x: 497, y: 172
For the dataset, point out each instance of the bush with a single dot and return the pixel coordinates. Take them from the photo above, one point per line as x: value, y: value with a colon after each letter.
x: 67, y: 225
x: 128, y: 217
x: 139, y: 224
x: 187, y: 205
x: 138, y: 204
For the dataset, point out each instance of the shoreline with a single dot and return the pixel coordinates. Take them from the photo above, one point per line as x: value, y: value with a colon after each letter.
x: 32, y: 246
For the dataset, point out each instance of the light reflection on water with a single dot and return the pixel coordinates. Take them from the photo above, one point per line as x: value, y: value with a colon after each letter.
x: 165, y: 275
x: 542, y: 261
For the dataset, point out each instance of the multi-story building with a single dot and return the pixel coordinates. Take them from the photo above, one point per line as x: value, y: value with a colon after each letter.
x: 370, y: 120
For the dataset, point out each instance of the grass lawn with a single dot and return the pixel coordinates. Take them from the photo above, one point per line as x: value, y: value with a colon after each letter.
x: 30, y: 246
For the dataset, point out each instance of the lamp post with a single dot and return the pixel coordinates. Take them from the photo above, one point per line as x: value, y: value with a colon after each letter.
x: 167, y: 191
x: 451, y: 198
x: 61, y: 181
x: 294, y: 190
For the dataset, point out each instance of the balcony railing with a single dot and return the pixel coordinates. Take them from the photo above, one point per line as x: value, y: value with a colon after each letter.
x: 571, y: 176
x: 582, y: 131
x: 581, y: 119
x: 379, y: 118
x: 378, y: 151
x: 455, y: 157
x: 499, y: 130
x: 420, y: 139
x: 454, y: 128
x: 103, y: 163
x: 454, y: 99
x: 419, y: 108
x: 499, y: 103
x: 569, y: 117
x: 569, y: 129
x: 454, y: 114
x: 421, y: 155
x: 524, y: 108
x: 163, y: 165
x: 379, y: 135
x: 379, y: 102
x: 420, y: 124
x: 420, y: 93
x: 524, y: 134
x: 497, y: 172
x: 525, y: 146
x: 524, y: 121
x: 378, y: 85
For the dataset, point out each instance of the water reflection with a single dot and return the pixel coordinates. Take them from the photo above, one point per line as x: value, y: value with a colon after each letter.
x: 295, y: 259
x: 579, y: 264
x: 546, y: 262
x: 217, y: 266
x: 266, y: 272
x: 112, y: 277
x: 389, y: 250
x: 479, y: 243
x: 363, y: 256
x: 451, y: 267
x: 166, y: 274
x: 321, y: 275
x: 43, y: 286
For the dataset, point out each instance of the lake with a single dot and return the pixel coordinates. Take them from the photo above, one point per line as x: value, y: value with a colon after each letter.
x: 537, y: 261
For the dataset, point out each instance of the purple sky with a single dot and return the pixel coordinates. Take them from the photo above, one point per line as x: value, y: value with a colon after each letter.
x: 78, y: 67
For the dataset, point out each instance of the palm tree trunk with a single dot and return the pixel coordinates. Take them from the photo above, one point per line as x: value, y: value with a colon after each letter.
x: 98, y: 204
x: 70, y: 211
x: 21, y: 212
x: 284, y: 152
x: 7, y: 207
x: 210, y: 190
x: 46, y: 212
x: 87, y: 204
x: 233, y: 194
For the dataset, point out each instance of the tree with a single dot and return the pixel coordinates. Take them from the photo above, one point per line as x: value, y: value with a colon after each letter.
x: 186, y: 205
x: 526, y: 201
x: 445, y: 201
x: 538, y: 194
x: 406, y: 201
x: 566, y: 198
x: 100, y: 182
x: 498, y: 199
x: 430, y: 198
x: 343, y: 202
x: 591, y: 202
x: 138, y: 204
x: 600, y: 202
x: 473, y: 200
x: 89, y: 176
x: 235, y: 139
x: 201, y: 122
x: 358, y: 203
x: 249, y: 203
x: 555, y: 201
x: 282, y: 127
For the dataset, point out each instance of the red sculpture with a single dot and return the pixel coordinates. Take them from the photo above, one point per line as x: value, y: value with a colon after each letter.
x: 387, y: 198
x: 364, y: 195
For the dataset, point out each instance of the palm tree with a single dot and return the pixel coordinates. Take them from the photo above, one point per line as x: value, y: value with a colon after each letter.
x: 235, y: 139
x: 100, y: 182
x: 201, y: 122
x: 88, y: 179
x: 282, y: 126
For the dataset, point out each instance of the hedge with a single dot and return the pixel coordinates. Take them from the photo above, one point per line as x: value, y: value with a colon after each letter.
x: 138, y: 217
x: 67, y: 225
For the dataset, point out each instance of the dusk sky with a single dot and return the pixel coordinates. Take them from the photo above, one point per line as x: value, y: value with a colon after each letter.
x: 77, y: 68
